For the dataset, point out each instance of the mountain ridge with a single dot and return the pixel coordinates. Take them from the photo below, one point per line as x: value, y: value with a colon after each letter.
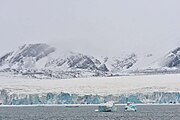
x: 27, y: 59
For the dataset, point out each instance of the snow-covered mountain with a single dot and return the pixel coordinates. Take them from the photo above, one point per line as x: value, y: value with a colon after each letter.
x: 42, y: 60
x: 172, y: 59
x: 26, y: 56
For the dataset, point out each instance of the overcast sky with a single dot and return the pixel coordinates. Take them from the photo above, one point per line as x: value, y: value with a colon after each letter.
x: 100, y: 27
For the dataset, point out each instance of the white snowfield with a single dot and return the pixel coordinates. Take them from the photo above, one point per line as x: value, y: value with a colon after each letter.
x: 100, y: 86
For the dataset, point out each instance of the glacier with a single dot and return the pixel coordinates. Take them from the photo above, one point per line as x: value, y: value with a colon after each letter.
x: 148, y: 89
x: 142, y: 89
x: 67, y: 98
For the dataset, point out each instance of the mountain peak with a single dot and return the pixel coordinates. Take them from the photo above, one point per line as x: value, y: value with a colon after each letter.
x: 31, y: 51
x: 172, y: 59
x: 176, y: 50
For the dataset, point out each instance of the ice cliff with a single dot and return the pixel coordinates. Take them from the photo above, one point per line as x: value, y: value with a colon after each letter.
x: 67, y: 98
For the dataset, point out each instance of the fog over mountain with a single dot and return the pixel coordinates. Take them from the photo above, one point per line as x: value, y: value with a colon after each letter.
x: 94, y: 27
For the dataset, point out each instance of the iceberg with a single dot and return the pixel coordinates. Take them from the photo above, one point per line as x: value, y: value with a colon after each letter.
x: 107, y: 107
x: 130, y: 107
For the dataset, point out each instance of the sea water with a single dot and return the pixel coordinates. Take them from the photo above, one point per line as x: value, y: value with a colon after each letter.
x: 144, y: 112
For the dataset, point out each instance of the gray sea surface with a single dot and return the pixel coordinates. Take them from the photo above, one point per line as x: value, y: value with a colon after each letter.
x: 144, y: 112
